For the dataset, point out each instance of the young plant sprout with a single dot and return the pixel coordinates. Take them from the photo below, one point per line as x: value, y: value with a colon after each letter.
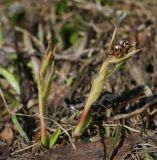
x: 44, y: 81
x: 118, y: 54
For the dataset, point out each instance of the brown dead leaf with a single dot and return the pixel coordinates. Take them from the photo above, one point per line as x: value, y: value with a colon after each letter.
x: 7, y: 135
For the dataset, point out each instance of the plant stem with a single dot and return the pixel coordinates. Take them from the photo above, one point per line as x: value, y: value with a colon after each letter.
x: 43, y: 123
x: 42, y: 110
x: 95, y: 92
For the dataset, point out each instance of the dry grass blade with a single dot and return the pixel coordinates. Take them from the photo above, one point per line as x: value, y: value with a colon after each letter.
x: 1, y: 37
x: 14, y: 119
x: 112, y: 39
x: 137, y: 111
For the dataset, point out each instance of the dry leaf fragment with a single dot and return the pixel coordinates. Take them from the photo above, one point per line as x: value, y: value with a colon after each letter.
x: 7, y: 135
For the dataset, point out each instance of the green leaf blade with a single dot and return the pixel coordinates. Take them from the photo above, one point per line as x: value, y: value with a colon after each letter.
x: 10, y: 78
x: 53, y: 138
x: 148, y: 156
x: 19, y: 128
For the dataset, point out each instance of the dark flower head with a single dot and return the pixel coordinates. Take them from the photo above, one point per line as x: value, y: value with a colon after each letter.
x: 121, y: 49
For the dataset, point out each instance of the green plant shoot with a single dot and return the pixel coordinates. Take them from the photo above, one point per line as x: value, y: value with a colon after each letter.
x: 98, y: 83
x: 44, y: 81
